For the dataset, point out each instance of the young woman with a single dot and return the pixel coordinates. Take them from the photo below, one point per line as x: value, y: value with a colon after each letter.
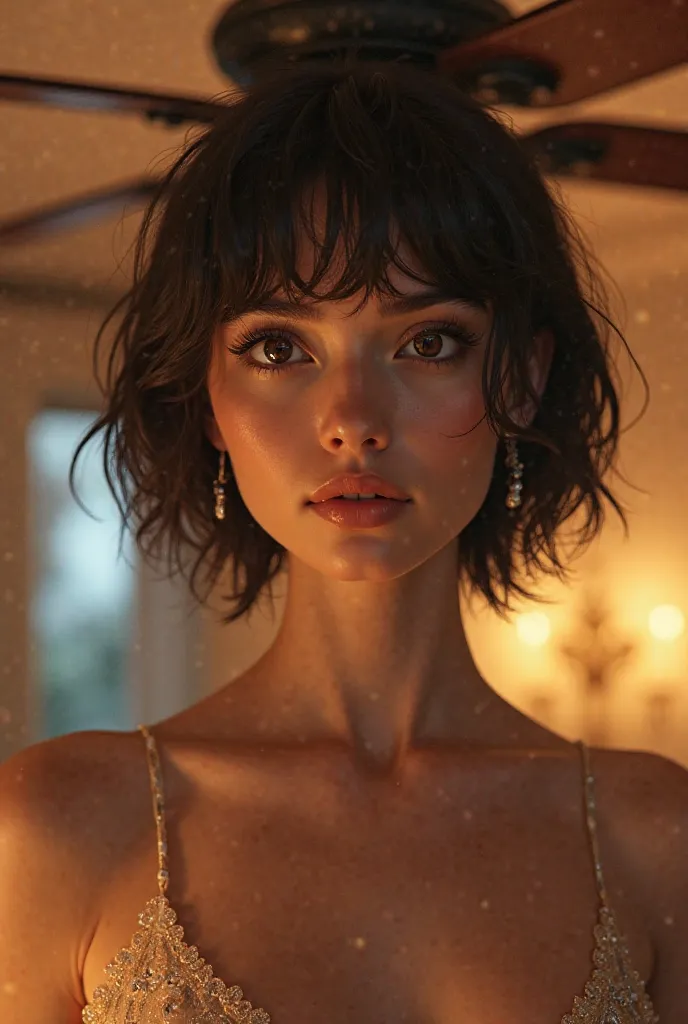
x: 354, y: 283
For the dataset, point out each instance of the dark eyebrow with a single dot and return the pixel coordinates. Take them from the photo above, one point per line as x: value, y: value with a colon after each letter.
x: 390, y: 305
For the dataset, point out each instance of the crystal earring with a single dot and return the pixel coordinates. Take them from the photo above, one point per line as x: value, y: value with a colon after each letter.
x: 219, y: 490
x: 513, y: 498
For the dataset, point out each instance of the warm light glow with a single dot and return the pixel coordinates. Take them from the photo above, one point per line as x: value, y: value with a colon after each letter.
x: 533, y: 628
x: 666, y: 622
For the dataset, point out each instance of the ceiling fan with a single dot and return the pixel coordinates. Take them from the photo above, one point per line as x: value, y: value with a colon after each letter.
x: 563, y: 52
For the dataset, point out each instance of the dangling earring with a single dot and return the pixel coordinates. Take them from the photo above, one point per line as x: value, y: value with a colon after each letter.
x: 219, y: 490
x: 513, y: 498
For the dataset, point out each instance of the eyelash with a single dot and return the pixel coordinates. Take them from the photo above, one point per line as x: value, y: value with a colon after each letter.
x: 453, y: 328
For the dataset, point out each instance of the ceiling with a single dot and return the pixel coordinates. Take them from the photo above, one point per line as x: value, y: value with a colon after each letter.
x: 163, y: 45
x: 641, y: 235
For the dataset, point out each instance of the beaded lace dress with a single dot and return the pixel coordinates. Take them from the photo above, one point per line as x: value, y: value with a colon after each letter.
x: 158, y: 978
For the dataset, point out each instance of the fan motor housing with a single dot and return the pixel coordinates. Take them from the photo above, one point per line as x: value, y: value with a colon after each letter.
x: 256, y: 37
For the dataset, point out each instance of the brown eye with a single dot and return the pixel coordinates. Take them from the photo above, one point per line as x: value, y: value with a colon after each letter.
x: 277, y: 350
x: 428, y: 344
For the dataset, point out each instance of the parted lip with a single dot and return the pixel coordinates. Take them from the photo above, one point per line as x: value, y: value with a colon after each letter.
x: 358, y: 483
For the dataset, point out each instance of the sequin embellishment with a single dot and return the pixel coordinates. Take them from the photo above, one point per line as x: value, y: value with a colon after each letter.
x: 159, y: 978
x: 615, y: 992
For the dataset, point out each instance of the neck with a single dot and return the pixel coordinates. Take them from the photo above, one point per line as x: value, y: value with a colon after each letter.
x: 381, y: 666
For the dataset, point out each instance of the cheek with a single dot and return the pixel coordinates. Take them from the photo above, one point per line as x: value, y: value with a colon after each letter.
x: 262, y: 442
x: 455, y: 447
x: 455, y: 422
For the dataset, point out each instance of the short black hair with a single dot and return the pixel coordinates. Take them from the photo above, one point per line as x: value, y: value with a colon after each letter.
x: 393, y: 145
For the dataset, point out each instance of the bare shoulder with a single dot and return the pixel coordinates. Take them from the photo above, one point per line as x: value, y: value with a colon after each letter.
x: 59, y: 786
x: 622, y: 766
x: 648, y: 788
x: 72, y: 805
x: 648, y: 797
x: 64, y: 797
x: 59, y: 839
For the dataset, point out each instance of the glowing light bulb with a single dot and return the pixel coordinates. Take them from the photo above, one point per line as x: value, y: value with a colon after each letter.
x: 533, y: 628
x: 666, y: 622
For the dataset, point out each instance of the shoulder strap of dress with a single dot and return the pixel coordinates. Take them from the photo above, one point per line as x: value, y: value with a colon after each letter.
x: 591, y: 819
x: 155, y: 775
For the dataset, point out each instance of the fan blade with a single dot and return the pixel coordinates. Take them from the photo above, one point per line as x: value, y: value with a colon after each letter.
x: 65, y: 216
x: 626, y: 154
x: 50, y: 92
x: 623, y: 153
x: 570, y: 50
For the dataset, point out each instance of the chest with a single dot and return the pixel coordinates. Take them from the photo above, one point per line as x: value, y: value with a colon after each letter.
x: 441, y: 905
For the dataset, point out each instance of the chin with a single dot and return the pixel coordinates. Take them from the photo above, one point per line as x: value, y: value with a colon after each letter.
x: 368, y: 571
x: 367, y: 559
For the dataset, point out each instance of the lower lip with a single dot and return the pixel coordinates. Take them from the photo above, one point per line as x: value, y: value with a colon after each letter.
x: 359, y: 515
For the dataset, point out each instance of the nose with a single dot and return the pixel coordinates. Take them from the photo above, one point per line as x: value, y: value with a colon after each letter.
x: 356, y: 414
x: 356, y: 437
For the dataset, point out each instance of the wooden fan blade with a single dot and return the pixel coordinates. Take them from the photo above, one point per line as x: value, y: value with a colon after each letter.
x: 571, y: 50
x: 622, y: 153
x: 626, y: 154
x: 49, y: 92
x: 66, y: 216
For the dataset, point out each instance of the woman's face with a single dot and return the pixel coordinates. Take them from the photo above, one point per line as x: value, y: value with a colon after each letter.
x: 357, y: 395
x: 379, y: 391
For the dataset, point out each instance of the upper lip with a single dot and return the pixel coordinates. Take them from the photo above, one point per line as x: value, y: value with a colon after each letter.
x: 358, y: 483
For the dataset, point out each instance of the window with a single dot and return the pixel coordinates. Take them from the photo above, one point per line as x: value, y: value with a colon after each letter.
x: 82, y: 591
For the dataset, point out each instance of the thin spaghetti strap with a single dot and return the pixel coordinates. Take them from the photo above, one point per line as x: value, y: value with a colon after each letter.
x: 591, y: 819
x: 155, y: 775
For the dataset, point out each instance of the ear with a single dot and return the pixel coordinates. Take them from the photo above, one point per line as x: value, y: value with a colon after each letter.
x: 213, y: 434
x: 539, y: 366
x: 210, y: 426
